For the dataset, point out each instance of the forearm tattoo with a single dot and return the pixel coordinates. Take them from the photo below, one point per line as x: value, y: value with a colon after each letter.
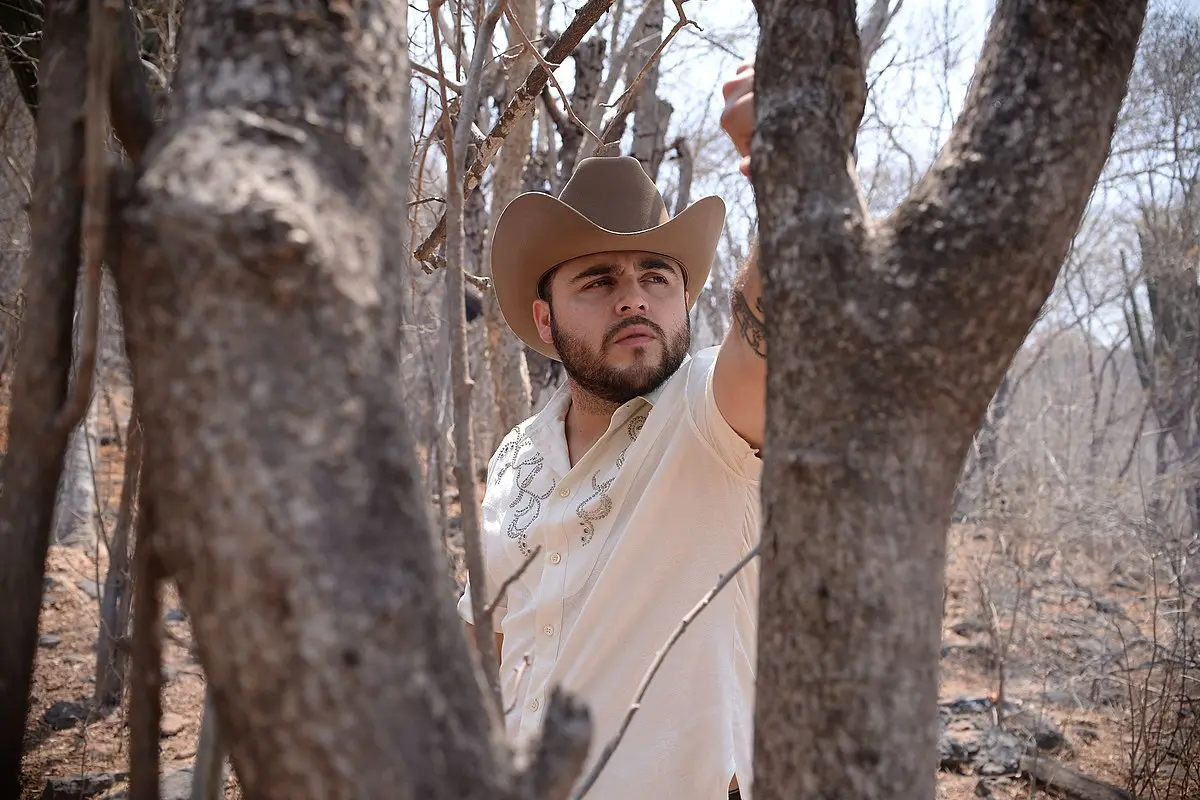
x: 754, y: 331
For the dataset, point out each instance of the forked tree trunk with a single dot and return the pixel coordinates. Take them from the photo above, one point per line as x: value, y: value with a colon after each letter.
x: 259, y: 280
x: 887, y: 339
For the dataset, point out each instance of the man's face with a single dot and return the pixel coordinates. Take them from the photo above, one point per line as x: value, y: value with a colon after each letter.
x: 618, y: 320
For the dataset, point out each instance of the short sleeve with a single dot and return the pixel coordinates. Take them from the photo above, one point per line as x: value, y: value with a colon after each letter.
x: 464, y: 601
x: 734, y: 451
x: 464, y: 605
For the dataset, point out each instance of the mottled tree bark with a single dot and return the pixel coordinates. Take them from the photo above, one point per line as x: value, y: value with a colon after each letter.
x: 259, y: 274
x: 888, y: 338
x: 36, y: 445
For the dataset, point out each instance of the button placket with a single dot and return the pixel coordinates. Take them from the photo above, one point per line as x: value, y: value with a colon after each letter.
x: 548, y: 617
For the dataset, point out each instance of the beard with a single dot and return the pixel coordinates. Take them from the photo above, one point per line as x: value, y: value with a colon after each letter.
x: 592, y: 373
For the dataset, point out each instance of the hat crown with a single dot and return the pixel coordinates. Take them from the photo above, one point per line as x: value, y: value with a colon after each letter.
x: 615, y: 193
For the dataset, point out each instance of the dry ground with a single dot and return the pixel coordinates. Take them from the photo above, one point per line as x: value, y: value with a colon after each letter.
x: 1077, y: 625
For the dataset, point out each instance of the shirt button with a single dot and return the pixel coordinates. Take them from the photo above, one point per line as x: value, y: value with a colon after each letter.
x: 535, y: 705
x: 548, y: 630
x: 564, y: 492
x: 555, y: 558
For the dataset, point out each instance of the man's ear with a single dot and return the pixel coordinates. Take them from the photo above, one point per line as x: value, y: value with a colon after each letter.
x: 541, y: 318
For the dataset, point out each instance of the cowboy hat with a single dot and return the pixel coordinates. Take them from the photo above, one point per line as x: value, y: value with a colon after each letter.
x: 609, y: 204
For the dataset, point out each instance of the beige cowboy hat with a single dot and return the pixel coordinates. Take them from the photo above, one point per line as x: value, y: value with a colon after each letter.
x: 609, y: 204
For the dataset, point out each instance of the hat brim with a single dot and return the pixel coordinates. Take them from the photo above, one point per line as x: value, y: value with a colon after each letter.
x: 537, y: 232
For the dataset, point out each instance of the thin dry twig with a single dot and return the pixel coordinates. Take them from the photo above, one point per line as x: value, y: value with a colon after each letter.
x: 442, y: 79
x: 455, y: 142
x: 521, y: 103
x: 526, y: 660
x: 661, y: 656
x: 625, y: 102
x: 101, y: 45
x: 490, y: 608
x: 550, y: 68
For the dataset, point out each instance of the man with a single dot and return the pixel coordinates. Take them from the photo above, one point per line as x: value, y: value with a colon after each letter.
x: 638, y: 481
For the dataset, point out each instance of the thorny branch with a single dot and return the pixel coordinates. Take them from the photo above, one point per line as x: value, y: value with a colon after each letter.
x: 101, y: 43
x: 520, y: 105
x: 549, y: 71
x: 625, y: 102
x: 661, y: 656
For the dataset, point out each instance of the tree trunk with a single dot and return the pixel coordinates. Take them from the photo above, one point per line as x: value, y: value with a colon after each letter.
x: 988, y: 439
x: 111, y: 659
x: 259, y: 273
x: 75, y: 508
x: 589, y: 68
x: 887, y: 340
x: 36, y: 445
x: 650, y: 112
x: 209, y: 773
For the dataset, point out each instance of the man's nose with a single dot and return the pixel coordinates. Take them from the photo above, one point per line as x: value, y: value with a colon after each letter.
x: 631, y: 299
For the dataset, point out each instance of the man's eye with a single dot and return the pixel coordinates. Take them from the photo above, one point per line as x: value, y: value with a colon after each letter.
x: 659, y: 278
x: 598, y: 282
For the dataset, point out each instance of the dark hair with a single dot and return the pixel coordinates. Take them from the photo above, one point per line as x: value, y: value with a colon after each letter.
x: 543, y: 287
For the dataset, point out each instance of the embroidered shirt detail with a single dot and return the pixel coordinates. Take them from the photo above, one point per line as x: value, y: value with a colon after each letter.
x: 590, y: 516
x: 633, y: 429
x: 526, y: 504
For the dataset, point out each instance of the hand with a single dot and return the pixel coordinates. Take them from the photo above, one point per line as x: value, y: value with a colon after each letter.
x: 737, y: 119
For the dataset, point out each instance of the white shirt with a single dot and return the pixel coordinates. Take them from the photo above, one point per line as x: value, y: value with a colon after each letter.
x: 632, y: 538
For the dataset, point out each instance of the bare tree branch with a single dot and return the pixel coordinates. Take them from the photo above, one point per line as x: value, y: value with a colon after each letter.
x: 974, y: 207
x: 490, y: 609
x: 627, y: 99
x: 549, y: 68
x: 521, y: 104
x: 101, y: 44
x: 461, y: 383
x: 878, y: 18
x: 439, y: 77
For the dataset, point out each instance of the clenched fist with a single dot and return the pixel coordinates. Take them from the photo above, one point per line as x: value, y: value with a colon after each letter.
x: 737, y: 120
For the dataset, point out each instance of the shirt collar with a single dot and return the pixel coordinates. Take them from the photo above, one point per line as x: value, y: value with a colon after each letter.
x: 556, y: 407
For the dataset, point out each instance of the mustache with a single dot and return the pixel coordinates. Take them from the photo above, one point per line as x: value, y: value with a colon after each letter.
x: 615, y: 331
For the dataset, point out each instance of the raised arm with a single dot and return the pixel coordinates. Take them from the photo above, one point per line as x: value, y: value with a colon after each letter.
x: 740, y: 374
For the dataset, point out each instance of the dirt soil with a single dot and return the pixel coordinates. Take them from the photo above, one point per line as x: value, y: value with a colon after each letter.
x: 1077, y: 627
